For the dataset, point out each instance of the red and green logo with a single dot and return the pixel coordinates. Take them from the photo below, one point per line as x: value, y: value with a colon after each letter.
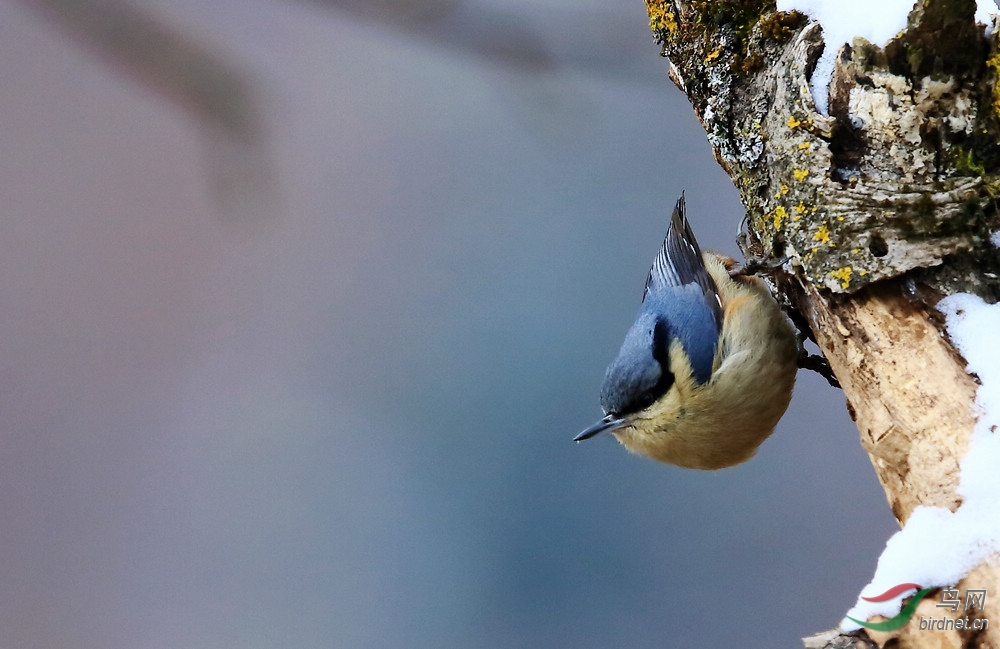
x: 904, y: 615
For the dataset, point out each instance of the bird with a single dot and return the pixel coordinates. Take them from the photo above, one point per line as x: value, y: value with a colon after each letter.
x: 708, y: 367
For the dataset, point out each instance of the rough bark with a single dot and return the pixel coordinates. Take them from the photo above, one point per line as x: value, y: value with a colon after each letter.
x: 881, y: 208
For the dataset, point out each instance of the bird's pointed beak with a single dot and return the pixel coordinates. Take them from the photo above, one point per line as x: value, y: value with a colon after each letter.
x: 608, y: 423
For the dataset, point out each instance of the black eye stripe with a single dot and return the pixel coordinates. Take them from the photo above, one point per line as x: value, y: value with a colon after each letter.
x: 661, y: 354
x: 661, y: 343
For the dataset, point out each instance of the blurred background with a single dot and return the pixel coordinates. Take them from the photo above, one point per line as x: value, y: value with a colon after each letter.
x: 301, y: 304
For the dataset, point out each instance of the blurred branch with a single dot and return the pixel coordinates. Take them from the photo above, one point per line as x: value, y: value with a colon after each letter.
x: 206, y: 85
x: 528, y: 38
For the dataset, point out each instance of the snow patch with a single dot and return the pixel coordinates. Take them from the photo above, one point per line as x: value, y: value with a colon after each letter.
x: 842, y: 20
x: 938, y: 547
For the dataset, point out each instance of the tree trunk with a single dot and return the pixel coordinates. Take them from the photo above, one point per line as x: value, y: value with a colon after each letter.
x: 881, y: 209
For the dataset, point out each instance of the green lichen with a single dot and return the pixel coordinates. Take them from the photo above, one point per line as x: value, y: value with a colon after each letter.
x: 741, y: 15
x: 941, y: 39
x: 781, y: 25
x: 979, y: 158
x: 705, y: 20
x: 967, y: 163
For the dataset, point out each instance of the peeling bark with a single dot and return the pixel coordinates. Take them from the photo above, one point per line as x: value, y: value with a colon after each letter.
x: 881, y: 208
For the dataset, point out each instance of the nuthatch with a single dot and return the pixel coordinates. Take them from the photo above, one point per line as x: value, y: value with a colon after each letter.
x: 707, y: 369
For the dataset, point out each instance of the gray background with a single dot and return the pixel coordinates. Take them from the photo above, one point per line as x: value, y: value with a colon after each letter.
x: 345, y: 420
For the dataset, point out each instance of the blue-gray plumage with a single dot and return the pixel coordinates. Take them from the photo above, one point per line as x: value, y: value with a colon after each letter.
x: 680, y: 301
x: 707, y: 368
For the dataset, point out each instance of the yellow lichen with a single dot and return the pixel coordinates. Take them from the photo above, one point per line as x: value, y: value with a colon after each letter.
x: 844, y: 275
x: 994, y: 63
x: 807, y: 124
x: 822, y: 235
x: 779, y: 215
x: 800, y: 208
x: 805, y: 145
x: 785, y: 189
x: 711, y: 56
x: 660, y: 16
x: 800, y: 174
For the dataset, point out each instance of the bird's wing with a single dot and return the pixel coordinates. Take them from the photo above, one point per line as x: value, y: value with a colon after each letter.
x: 679, y: 263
